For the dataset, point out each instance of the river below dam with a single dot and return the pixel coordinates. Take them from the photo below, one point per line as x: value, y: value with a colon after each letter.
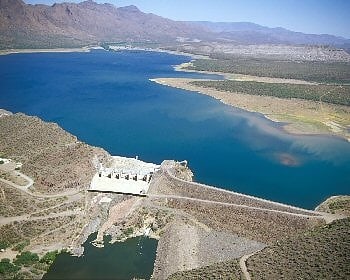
x: 133, y: 258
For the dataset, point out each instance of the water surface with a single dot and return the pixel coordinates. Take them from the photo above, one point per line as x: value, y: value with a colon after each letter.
x: 131, y: 259
x: 107, y: 100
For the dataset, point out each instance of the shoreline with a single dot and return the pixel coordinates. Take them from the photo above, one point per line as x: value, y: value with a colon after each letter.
x: 296, y: 116
x: 88, y: 49
x: 242, y: 77
x: 47, y: 50
x: 159, y: 50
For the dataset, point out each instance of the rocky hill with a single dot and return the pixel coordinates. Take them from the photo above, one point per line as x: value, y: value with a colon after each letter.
x: 56, y: 160
x: 71, y: 24
x: 77, y: 24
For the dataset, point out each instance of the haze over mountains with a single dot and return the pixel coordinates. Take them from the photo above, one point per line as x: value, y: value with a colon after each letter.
x: 71, y: 24
x: 251, y: 33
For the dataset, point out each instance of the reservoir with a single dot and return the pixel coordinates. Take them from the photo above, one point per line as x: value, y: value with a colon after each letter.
x: 133, y: 258
x: 106, y: 99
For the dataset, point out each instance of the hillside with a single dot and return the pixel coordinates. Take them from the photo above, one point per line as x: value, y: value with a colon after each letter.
x: 41, y: 148
x: 70, y: 24
x: 43, y: 204
x: 321, y: 253
x: 80, y: 24
x: 251, y: 33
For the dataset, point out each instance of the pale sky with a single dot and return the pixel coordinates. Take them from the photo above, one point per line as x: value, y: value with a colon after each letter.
x: 308, y: 16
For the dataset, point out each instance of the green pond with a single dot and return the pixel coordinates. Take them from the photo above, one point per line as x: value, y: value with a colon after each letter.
x: 131, y: 259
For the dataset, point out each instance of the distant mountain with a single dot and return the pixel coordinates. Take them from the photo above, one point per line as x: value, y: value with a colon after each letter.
x: 251, y: 33
x: 70, y: 24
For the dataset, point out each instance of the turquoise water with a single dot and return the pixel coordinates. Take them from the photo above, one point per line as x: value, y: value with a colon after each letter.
x: 107, y: 100
x: 131, y: 259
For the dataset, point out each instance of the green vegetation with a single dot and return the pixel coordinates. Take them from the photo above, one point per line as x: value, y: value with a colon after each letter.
x: 322, y: 253
x: 26, y: 258
x: 26, y: 266
x: 4, y: 244
x: 128, y: 231
x: 49, y: 257
x: 20, y: 246
x: 7, y: 268
x: 326, y: 93
x: 2, y: 162
x: 227, y: 270
x: 324, y: 72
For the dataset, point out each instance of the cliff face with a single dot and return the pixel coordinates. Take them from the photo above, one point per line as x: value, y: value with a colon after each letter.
x: 65, y: 24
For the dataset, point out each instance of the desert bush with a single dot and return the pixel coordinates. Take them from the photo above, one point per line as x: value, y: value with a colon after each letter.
x: 3, y: 244
x: 26, y: 258
x: 324, y: 72
x: 7, y: 268
x: 20, y: 246
x: 321, y: 253
x: 49, y: 257
x: 326, y: 93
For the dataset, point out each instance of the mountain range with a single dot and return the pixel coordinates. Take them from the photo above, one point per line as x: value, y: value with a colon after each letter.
x: 70, y: 24
x: 251, y: 33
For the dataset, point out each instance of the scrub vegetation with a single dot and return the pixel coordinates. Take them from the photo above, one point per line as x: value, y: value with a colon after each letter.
x: 326, y: 93
x: 323, y: 72
x: 321, y: 253
x: 227, y: 270
x: 26, y: 265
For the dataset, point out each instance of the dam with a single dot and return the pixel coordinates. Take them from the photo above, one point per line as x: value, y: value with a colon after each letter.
x: 125, y: 176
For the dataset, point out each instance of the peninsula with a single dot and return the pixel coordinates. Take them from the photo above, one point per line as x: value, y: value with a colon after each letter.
x: 284, y: 92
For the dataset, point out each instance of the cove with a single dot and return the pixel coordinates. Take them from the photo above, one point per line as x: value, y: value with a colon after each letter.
x: 131, y: 259
x: 107, y: 100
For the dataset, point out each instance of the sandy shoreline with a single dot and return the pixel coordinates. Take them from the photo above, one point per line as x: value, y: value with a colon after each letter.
x: 55, y: 50
x: 302, y: 116
x: 130, y: 48
x: 88, y: 49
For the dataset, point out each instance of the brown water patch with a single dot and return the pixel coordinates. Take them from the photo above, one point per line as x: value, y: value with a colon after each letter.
x: 288, y: 159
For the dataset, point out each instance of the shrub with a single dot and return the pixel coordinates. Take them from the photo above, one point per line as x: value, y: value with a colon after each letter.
x: 128, y: 231
x: 3, y: 244
x: 26, y: 258
x: 6, y: 267
x: 49, y: 257
x: 20, y: 246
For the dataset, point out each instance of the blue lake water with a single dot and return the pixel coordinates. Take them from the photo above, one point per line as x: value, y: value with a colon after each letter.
x: 107, y: 100
x: 132, y: 259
